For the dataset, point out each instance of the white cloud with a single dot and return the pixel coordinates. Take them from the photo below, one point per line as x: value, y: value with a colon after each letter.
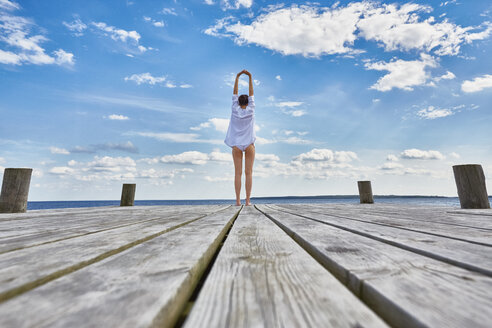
x: 2, y: 160
x: 219, y: 124
x: 288, y: 103
x: 117, y: 33
x: 24, y: 46
x: 402, y: 74
x: 145, y: 78
x: 113, y: 164
x: 326, y: 155
x: 154, y: 22
x: 209, y: 2
x: 117, y: 117
x: 431, y: 113
x: 169, y: 11
x: 231, y: 78
x: 177, y: 137
x: 325, y: 31
x: 448, y: 76
x: 9, y: 5
x: 391, y: 166
x: 76, y: 26
x: 236, y: 4
x: 61, y: 170
x: 392, y: 158
x: 454, y: 155
x: 188, y: 157
x: 56, y: 150
x: 421, y: 154
x: 477, y: 84
x: 267, y: 157
x: 278, y: 77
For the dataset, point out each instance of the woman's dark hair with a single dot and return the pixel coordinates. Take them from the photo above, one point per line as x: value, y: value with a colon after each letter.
x: 243, y: 100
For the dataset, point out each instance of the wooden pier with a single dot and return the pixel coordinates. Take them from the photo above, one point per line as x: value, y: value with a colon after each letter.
x: 305, y: 265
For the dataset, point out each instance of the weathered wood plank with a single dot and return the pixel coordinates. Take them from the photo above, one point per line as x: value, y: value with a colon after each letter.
x: 463, y: 254
x: 262, y: 278
x: 146, y: 285
x: 59, y: 228
x: 30, y: 266
x: 426, y: 224
x: 406, y: 289
x: 438, y: 215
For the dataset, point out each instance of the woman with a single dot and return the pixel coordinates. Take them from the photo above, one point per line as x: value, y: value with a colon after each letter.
x: 241, y: 137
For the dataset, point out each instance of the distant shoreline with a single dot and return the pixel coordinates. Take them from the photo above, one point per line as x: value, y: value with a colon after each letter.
x: 418, y: 200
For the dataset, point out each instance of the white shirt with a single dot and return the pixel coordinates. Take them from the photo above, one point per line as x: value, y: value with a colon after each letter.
x: 241, y: 131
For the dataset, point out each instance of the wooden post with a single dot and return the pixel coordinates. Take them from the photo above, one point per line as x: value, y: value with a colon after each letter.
x: 15, y: 188
x: 470, y: 182
x: 365, y: 192
x: 128, y: 194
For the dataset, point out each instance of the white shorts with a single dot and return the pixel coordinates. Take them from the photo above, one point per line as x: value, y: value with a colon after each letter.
x: 243, y: 148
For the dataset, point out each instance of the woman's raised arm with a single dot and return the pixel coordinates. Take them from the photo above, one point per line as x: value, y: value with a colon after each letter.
x: 235, y: 83
x: 250, y: 82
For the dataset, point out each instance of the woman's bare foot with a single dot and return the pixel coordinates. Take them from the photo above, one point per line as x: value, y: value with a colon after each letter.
x: 248, y: 203
x: 238, y: 203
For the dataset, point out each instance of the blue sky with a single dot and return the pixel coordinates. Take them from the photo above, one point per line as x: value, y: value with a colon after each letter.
x: 94, y: 94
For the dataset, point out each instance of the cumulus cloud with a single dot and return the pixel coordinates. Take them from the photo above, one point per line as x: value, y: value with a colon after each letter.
x: 177, y: 137
x: 230, y: 78
x: 118, y: 117
x: 154, y: 22
x: 421, y: 154
x: 392, y: 158
x: 402, y: 74
x: 391, y: 166
x: 147, y: 78
x: 123, y: 146
x: 448, y: 76
x: 77, y: 27
x: 188, y: 157
x: 117, y: 33
x: 220, y: 124
x: 278, y: 77
x: 287, y: 107
x: 236, y: 4
x: 432, y: 113
x: 22, y: 45
x: 333, y: 30
x: 477, y: 84
x: 326, y: 155
x: 169, y: 11
x: 56, y: 150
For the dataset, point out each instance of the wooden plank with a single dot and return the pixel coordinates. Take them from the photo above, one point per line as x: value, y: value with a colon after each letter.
x: 262, y: 278
x: 57, y: 228
x: 31, y: 266
x: 425, y: 224
x: 439, y: 215
x: 146, y: 285
x: 404, y: 288
x: 463, y: 254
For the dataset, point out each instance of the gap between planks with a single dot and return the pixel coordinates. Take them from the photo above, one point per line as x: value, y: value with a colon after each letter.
x: 16, y: 291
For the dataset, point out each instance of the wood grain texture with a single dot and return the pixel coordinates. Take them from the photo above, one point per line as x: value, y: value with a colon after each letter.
x: 426, y: 224
x: 16, y: 235
x: 406, y: 289
x: 146, y: 285
x: 23, y: 268
x: 262, y: 278
x: 466, y: 255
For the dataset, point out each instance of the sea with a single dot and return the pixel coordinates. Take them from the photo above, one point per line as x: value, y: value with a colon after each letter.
x: 344, y: 199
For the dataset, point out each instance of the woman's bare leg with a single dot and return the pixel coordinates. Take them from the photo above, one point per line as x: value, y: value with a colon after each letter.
x: 237, y: 156
x: 248, y: 170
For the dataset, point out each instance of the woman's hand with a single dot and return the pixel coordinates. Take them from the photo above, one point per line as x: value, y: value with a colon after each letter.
x: 246, y: 72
